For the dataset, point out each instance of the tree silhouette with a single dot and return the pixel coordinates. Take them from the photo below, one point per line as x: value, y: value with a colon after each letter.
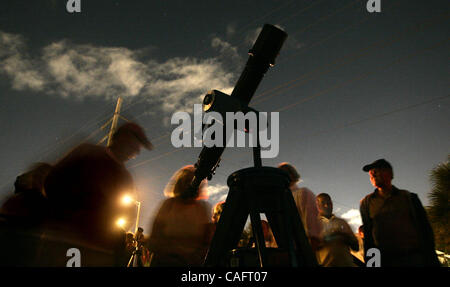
x: 439, y: 210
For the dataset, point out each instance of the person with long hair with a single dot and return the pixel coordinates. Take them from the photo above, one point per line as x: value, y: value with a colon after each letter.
x: 181, y: 230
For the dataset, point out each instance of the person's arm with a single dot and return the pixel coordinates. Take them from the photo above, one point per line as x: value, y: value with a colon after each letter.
x: 341, y: 231
x: 425, y: 230
x: 350, y: 237
x: 313, y: 226
x: 367, y: 226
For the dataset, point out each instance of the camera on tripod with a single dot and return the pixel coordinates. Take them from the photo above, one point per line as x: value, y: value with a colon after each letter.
x: 138, y: 244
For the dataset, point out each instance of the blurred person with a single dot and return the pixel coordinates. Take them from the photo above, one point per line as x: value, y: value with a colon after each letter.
x: 29, y: 201
x: 337, y: 237
x: 82, y: 193
x: 181, y: 232
x: 269, y: 238
x: 217, y: 211
x: 130, y: 247
x: 305, y: 201
x: 268, y: 235
x: 84, y: 186
x: 129, y: 241
x: 395, y: 222
x: 359, y: 254
x: 140, y: 253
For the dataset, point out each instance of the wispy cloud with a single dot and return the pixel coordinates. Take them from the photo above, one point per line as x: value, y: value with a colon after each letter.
x: 226, y: 49
x: 78, y: 71
x: 231, y: 30
x: 252, y: 35
x: 353, y: 218
x: 217, y: 193
x: 17, y: 65
x: 88, y: 71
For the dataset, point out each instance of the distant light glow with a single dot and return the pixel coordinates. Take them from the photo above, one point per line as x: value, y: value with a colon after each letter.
x: 127, y: 199
x: 121, y: 222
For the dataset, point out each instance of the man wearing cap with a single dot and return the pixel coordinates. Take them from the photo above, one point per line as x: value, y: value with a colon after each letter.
x: 85, y: 186
x: 395, y: 222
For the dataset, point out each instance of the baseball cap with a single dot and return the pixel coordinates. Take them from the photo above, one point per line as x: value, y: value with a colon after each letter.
x: 137, y: 131
x: 380, y: 163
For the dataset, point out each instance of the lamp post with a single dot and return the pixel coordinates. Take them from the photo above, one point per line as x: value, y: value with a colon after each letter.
x: 127, y: 200
x: 138, y: 204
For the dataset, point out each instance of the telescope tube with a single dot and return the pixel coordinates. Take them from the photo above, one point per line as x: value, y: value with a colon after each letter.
x: 261, y: 56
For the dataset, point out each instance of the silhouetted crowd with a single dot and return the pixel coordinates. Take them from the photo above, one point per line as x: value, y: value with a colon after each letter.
x: 71, y: 203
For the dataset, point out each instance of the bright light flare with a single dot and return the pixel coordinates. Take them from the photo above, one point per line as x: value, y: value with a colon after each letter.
x: 121, y: 222
x: 127, y: 200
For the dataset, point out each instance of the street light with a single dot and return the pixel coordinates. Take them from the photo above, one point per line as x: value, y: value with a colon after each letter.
x: 121, y: 222
x: 126, y: 200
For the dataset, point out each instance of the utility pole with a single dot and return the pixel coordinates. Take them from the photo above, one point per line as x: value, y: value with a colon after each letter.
x: 114, y: 121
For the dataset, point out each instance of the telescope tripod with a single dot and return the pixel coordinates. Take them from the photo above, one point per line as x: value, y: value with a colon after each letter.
x: 253, y: 191
x: 135, y: 260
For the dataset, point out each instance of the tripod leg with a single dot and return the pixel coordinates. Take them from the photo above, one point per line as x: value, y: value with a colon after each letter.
x: 280, y: 224
x: 130, y: 262
x: 308, y: 258
x: 288, y: 217
x: 259, y: 236
x: 229, y: 228
x: 289, y: 232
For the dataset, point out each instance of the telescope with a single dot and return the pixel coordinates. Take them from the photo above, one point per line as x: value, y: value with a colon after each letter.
x: 261, y: 56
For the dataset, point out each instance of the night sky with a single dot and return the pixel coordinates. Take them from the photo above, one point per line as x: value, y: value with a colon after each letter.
x: 351, y: 86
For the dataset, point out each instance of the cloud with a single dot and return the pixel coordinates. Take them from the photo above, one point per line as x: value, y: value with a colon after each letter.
x: 231, y: 30
x: 353, y: 218
x: 251, y: 36
x: 225, y: 48
x: 16, y: 65
x: 293, y: 44
x: 217, y: 193
x: 88, y: 71
x: 78, y: 71
x: 181, y: 82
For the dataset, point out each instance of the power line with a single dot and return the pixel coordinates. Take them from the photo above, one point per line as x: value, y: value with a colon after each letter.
x: 244, y: 40
x: 155, y: 158
x: 351, y: 80
x: 304, y: 29
x: 361, y: 76
x: 285, y: 19
x: 314, y: 3
x: 398, y: 60
x: 323, y: 18
x: 270, y: 13
x: 345, y: 60
x: 377, y: 116
x: 90, y: 123
x: 419, y: 27
x: 366, y: 18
